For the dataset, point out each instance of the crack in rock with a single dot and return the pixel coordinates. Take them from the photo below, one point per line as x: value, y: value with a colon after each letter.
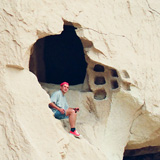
x: 152, y: 8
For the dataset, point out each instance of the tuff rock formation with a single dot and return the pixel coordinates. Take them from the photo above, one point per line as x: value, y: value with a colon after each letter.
x: 119, y: 98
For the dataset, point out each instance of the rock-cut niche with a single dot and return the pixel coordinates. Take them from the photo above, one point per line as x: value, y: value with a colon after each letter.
x: 59, y: 58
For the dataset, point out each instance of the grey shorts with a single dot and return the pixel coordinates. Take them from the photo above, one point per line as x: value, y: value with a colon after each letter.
x: 58, y: 114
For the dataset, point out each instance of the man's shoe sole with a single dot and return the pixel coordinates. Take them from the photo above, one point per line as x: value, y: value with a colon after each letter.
x: 76, y: 136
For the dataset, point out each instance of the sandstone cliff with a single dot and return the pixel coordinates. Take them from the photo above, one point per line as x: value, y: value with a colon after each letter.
x: 119, y: 98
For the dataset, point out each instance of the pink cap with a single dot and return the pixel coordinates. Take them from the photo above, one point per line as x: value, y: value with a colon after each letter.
x: 64, y: 83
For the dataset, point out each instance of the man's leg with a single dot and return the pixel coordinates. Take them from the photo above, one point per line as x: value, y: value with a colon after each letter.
x: 72, y: 117
x: 72, y: 121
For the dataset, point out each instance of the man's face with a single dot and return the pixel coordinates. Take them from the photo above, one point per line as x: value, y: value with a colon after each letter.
x: 64, y: 88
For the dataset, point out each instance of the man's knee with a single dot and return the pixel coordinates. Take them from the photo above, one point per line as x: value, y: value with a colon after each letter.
x: 71, y: 112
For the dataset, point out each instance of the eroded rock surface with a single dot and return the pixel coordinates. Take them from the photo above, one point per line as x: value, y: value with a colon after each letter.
x: 119, y: 99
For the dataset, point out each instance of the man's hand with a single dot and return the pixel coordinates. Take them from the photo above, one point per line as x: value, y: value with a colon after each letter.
x: 76, y: 109
x: 62, y: 110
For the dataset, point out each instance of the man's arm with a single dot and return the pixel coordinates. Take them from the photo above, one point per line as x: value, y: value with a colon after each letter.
x: 57, y: 108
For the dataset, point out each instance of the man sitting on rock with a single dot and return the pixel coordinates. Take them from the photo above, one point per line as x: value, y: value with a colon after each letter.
x: 61, y: 110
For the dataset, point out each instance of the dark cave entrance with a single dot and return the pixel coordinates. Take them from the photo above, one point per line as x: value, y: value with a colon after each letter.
x: 59, y: 58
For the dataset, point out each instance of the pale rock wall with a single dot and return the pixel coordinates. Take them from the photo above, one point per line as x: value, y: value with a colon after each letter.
x: 119, y: 35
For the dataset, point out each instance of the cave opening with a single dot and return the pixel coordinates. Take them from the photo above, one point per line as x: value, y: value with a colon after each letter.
x: 145, y: 153
x: 99, y: 80
x: 98, y: 68
x: 59, y: 58
x: 100, y: 94
x: 114, y: 84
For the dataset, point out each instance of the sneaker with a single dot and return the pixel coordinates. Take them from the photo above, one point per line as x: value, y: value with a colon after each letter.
x: 75, y: 133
